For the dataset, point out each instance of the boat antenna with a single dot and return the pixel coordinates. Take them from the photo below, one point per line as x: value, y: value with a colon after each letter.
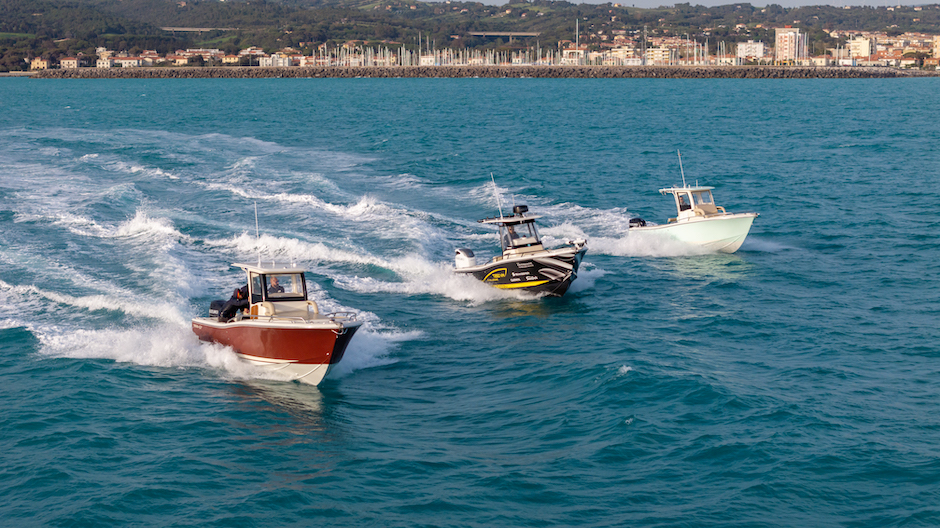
x: 258, y: 234
x: 499, y: 205
x: 680, y: 168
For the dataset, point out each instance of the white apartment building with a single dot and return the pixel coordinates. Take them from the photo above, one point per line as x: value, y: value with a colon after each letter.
x: 127, y: 62
x: 936, y: 46
x: 659, y: 56
x: 862, y: 47
x: 750, y: 50
x: 573, y: 56
x: 274, y: 61
x: 789, y: 45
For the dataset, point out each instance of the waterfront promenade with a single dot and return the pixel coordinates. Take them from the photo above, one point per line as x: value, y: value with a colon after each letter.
x: 587, y: 72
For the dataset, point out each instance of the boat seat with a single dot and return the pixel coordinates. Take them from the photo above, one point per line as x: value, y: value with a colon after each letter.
x: 287, y: 308
x: 706, y: 209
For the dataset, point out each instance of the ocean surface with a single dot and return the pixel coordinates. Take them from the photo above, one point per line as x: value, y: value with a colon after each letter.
x: 793, y: 383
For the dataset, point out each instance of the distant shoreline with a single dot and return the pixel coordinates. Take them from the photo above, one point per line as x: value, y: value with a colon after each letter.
x: 554, y: 72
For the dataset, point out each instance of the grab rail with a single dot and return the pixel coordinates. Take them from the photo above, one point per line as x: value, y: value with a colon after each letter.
x: 342, y: 314
x: 332, y: 317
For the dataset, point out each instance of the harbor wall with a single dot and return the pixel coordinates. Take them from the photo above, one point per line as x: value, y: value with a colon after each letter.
x: 560, y: 72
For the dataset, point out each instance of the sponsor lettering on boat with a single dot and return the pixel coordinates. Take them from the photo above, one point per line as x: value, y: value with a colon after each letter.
x: 495, y: 275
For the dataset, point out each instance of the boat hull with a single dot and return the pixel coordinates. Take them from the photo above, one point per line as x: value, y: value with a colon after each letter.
x: 306, y: 352
x: 545, y: 272
x: 723, y: 233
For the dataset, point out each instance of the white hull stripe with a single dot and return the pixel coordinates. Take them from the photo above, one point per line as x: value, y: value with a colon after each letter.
x: 553, y: 262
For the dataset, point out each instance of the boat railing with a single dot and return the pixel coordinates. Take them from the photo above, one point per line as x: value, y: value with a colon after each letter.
x: 278, y: 318
x: 332, y: 317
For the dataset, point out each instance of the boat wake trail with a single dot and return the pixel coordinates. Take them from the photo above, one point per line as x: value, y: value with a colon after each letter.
x: 753, y: 243
x: 176, y: 347
x: 421, y: 277
x: 615, y: 238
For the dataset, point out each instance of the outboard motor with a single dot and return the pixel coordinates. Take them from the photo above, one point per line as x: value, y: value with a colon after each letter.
x: 464, y: 258
x: 215, y: 308
x: 520, y: 210
x: 637, y: 222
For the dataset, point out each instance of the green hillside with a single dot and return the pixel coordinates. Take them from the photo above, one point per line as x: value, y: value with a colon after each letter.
x: 56, y: 28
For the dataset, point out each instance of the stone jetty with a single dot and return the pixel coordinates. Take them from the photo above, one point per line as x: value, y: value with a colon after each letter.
x: 547, y: 72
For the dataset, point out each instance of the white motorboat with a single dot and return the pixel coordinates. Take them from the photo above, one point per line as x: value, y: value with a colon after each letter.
x: 699, y: 221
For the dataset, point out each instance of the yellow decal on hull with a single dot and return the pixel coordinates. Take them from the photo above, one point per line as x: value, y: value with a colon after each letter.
x: 521, y: 284
x: 495, y: 275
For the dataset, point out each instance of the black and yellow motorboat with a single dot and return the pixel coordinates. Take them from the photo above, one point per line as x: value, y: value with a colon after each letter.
x: 525, y: 264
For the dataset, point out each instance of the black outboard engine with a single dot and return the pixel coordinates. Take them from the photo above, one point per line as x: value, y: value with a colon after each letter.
x: 520, y: 210
x: 215, y: 308
x: 637, y: 222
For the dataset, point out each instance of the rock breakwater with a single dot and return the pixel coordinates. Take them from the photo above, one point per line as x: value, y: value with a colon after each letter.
x: 561, y: 72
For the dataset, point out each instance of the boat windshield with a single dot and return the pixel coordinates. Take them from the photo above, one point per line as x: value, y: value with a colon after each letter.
x: 285, y: 287
x: 703, y: 197
x: 518, y: 235
x: 256, y: 289
x: 683, y: 200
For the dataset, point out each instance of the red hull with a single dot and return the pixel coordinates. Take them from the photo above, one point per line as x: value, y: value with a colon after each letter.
x: 312, y: 346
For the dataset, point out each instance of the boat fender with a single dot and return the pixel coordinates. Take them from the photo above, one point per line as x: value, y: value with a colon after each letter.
x: 637, y: 222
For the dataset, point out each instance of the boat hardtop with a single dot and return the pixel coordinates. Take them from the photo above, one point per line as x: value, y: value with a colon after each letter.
x: 517, y: 232
x: 693, y: 201
x: 280, y: 293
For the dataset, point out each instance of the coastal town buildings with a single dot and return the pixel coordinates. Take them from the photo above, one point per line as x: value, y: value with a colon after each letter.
x: 790, y: 47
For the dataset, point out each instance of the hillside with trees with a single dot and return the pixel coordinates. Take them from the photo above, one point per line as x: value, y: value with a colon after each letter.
x: 58, y: 28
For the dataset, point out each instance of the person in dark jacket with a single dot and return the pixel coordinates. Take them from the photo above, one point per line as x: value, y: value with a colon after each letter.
x: 238, y: 301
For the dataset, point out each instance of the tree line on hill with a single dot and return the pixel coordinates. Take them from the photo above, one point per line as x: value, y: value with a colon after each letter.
x: 58, y: 28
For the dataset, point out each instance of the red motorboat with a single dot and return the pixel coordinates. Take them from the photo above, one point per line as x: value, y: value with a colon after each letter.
x: 278, y: 327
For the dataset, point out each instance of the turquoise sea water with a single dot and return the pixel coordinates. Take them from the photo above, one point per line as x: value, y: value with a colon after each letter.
x: 794, y: 383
